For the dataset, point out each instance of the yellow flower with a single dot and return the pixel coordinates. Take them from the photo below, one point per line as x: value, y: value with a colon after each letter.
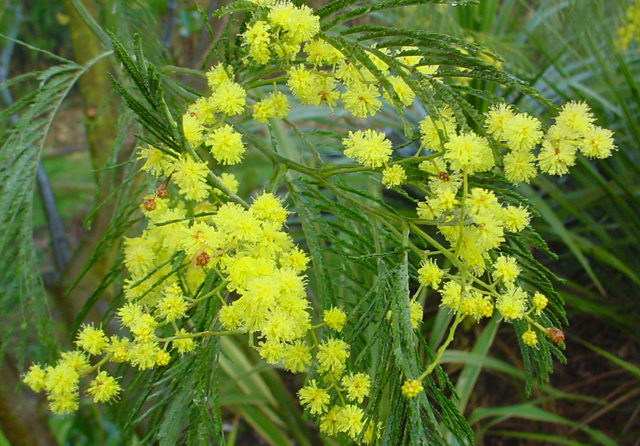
x: 575, y: 119
x: 92, y: 340
x: 335, y: 319
x: 190, y: 177
x: 512, y: 303
x: 192, y: 128
x: 103, y: 387
x: 357, y: 386
x: 119, y: 349
x: 332, y: 355
x: 361, y: 100
x: 268, y: 207
x: 61, y: 380
x: 183, y: 345
x: 320, y: 52
x: 520, y: 166
x: 36, y: 378
x: 556, y: 158
x: 369, y: 148
x: 258, y: 37
x: 505, y: 268
x: 298, y: 23
x: 316, y: 399
x: 402, y: 89
x: 515, y: 219
x: 172, y: 306
x: 522, y: 132
x: 143, y: 355
x: 229, y: 98
x: 218, y: 75
x: 350, y: 420
x: 530, y: 338
x: 412, y: 388
x: 296, y: 357
x: 597, y: 143
x: 497, y: 118
x: 63, y: 403
x: 156, y: 161
x: 468, y: 152
x: 539, y: 302
x: 394, y: 176
x: 429, y: 274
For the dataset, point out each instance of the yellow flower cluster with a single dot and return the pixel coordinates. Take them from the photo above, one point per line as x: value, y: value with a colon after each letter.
x: 629, y: 29
x: 205, y: 244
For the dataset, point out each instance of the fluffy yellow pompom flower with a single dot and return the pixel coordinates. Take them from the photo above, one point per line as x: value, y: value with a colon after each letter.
x: 539, y: 302
x: 394, y: 176
x: 103, y: 387
x: 335, y: 319
x: 332, y: 355
x: 172, y: 306
x: 597, y: 143
x: 429, y: 128
x: 361, y: 100
x: 429, y: 274
x: 218, y: 75
x: 156, y: 161
x: 357, y: 386
x: 512, y: 303
x: 556, y: 159
x: 230, y: 182
x: 119, y: 349
x: 64, y: 403
x: 468, y: 151
x: 522, y: 132
x: 61, y: 380
x: 369, y: 148
x: 497, y: 118
x: 143, y: 355
x: 76, y: 359
x: 192, y: 128
x: 259, y: 38
x: 190, y: 176
x: 412, y: 388
x: 506, y: 268
x: 36, y: 378
x: 350, y: 420
x: 229, y: 98
x: 316, y: 399
x: 298, y: 23
x: 275, y: 105
x: 183, y: 345
x: 519, y: 167
x: 530, y: 338
x: 268, y: 207
x: 515, y: 219
x: 575, y: 119
x: 320, y: 52
x: 296, y: 357
x: 226, y: 145
x: 92, y: 340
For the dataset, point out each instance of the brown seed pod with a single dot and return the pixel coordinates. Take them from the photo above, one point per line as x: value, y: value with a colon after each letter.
x: 443, y: 176
x: 149, y: 204
x: 556, y: 335
x: 202, y: 259
x: 162, y: 193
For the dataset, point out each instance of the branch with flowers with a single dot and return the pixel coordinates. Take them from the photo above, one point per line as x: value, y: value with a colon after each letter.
x: 205, y: 250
